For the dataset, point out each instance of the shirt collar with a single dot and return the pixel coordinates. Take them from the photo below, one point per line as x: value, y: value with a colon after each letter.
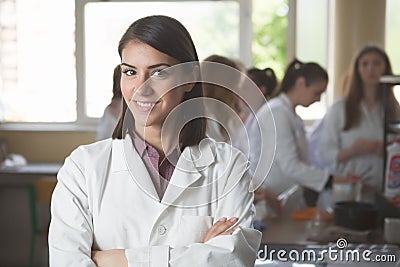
x: 286, y: 100
x: 141, y: 146
x: 288, y: 103
x: 377, y: 109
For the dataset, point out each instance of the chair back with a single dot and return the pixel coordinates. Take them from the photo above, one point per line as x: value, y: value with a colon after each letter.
x: 44, y: 187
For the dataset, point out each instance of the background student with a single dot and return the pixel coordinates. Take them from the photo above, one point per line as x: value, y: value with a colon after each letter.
x: 225, y: 108
x: 266, y: 82
x: 303, y: 85
x: 351, y: 140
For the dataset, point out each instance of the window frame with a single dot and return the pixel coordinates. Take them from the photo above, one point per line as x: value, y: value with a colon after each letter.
x: 86, y: 123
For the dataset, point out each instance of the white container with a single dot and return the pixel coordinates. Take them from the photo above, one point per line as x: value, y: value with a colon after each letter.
x: 391, y: 230
x: 342, y: 192
x: 392, y: 179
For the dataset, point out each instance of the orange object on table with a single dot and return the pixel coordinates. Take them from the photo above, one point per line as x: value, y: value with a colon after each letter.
x: 309, y: 213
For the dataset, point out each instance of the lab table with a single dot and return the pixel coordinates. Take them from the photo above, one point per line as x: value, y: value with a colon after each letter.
x: 15, y: 220
x: 292, y: 238
x: 26, y: 174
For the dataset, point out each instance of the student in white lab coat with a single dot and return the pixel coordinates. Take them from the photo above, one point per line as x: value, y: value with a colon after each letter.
x: 125, y: 201
x: 303, y: 85
x: 351, y: 140
x: 266, y: 82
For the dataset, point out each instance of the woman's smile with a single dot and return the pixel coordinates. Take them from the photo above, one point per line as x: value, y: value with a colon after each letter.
x: 144, y: 106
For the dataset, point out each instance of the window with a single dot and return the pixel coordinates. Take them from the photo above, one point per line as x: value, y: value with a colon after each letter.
x: 37, y: 71
x: 270, y: 42
x: 270, y: 22
x: 312, y: 17
x: 393, y: 33
x: 393, y: 38
x: 52, y: 72
x: 214, y: 27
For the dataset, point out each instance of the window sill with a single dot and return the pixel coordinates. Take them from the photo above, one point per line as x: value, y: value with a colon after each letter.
x: 47, y: 127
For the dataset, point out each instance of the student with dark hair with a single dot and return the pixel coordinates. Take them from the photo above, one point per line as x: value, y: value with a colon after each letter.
x: 302, y: 85
x: 351, y: 140
x: 266, y: 82
x: 155, y: 194
x: 265, y: 79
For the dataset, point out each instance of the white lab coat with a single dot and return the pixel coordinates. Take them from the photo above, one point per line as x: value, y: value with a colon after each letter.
x: 333, y: 139
x: 105, y: 200
x: 290, y: 165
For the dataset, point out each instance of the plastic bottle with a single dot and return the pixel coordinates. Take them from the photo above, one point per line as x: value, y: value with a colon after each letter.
x: 392, y: 179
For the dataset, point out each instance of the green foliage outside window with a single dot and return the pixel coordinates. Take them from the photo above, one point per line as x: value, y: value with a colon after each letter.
x: 270, y: 34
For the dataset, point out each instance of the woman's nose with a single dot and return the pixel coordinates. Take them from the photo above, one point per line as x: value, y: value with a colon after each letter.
x: 143, y: 87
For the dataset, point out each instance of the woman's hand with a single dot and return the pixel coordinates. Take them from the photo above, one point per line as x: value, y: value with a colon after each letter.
x: 361, y: 147
x: 110, y: 258
x: 271, y: 199
x: 259, y: 194
x: 350, y: 179
x: 364, y: 146
x: 273, y: 202
x: 221, y: 227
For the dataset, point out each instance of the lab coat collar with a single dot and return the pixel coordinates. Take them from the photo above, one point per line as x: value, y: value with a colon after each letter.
x: 193, y: 161
x: 136, y: 167
x: 197, y: 158
x: 188, y: 170
x: 289, y: 105
x: 286, y: 101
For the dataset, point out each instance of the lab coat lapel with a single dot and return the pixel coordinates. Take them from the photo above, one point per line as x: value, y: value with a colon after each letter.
x: 137, y: 169
x: 191, y: 163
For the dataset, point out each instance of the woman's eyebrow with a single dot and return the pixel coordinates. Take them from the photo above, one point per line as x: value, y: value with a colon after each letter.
x: 126, y: 64
x: 158, y: 65
x: 149, y: 67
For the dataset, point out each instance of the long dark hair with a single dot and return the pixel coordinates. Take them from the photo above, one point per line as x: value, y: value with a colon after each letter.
x: 117, y: 94
x: 311, y: 72
x: 354, y: 89
x: 170, y: 37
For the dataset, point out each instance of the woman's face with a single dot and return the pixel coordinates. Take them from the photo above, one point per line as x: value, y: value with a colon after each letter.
x: 149, y: 100
x: 312, y: 93
x: 370, y: 68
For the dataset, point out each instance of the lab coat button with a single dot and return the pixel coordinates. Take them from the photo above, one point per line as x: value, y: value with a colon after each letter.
x: 162, y: 229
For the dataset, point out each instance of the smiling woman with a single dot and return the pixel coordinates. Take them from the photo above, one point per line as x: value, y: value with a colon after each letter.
x: 152, y: 96
x: 139, y: 199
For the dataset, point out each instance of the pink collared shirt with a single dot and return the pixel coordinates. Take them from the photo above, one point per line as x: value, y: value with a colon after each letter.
x: 160, y: 173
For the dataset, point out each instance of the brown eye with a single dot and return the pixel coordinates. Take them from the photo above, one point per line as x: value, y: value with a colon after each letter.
x: 129, y: 72
x: 162, y: 74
